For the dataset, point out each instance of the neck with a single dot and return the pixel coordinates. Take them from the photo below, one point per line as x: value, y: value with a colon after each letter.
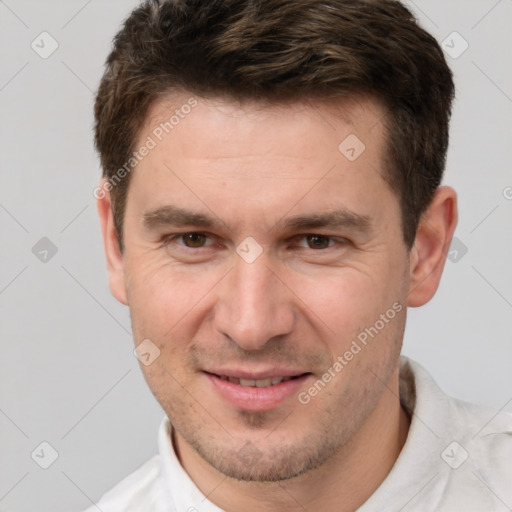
x: 341, y: 484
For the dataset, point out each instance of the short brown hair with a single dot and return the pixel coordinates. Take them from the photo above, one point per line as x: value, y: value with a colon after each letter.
x: 280, y: 51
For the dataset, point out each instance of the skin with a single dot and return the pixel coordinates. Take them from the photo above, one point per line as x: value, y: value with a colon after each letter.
x: 299, y: 305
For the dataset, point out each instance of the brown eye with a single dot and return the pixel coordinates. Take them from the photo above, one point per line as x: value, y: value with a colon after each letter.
x: 318, y: 241
x: 194, y: 240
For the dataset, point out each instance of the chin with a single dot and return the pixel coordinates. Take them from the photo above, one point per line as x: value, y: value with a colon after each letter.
x: 267, y: 464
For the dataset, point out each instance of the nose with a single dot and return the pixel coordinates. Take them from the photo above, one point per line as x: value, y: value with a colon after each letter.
x: 253, y: 305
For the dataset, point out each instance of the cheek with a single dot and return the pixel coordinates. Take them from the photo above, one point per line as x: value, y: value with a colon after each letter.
x: 162, y: 295
x: 348, y: 296
x: 169, y: 376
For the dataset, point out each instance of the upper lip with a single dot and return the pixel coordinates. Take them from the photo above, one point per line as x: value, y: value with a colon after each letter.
x: 256, y: 375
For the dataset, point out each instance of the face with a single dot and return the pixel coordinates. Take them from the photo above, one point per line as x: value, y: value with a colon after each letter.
x: 257, y: 249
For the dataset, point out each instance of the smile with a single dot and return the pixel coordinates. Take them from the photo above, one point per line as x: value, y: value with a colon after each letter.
x: 259, y: 383
x: 256, y: 392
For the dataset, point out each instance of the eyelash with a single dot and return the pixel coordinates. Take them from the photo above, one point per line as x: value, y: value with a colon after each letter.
x: 174, y: 238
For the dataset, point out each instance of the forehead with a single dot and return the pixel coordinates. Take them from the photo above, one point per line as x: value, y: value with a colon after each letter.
x: 278, y: 157
x: 253, y: 140
x: 243, y: 125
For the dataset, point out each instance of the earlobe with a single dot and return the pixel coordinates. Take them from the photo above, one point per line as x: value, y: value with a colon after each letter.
x: 115, y: 263
x: 433, y: 238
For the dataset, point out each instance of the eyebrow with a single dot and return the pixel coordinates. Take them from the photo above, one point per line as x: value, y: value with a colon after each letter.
x: 171, y: 215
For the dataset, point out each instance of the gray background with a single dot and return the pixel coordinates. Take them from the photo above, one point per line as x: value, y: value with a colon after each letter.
x: 67, y: 372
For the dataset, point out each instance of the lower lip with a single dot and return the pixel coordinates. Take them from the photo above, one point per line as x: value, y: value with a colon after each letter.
x: 257, y: 399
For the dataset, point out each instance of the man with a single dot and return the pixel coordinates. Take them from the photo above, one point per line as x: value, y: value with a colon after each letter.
x: 271, y: 205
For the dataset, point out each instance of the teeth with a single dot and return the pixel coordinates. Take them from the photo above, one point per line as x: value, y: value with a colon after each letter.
x: 261, y: 383
x: 248, y: 382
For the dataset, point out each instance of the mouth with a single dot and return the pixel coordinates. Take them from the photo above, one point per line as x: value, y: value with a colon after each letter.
x: 257, y: 392
x: 257, y: 383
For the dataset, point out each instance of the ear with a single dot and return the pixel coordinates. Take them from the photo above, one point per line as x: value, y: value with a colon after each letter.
x: 115, y: 263
x: 431, y: 245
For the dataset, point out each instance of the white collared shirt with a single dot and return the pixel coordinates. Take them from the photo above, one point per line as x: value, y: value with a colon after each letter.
x: 457, y: 458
